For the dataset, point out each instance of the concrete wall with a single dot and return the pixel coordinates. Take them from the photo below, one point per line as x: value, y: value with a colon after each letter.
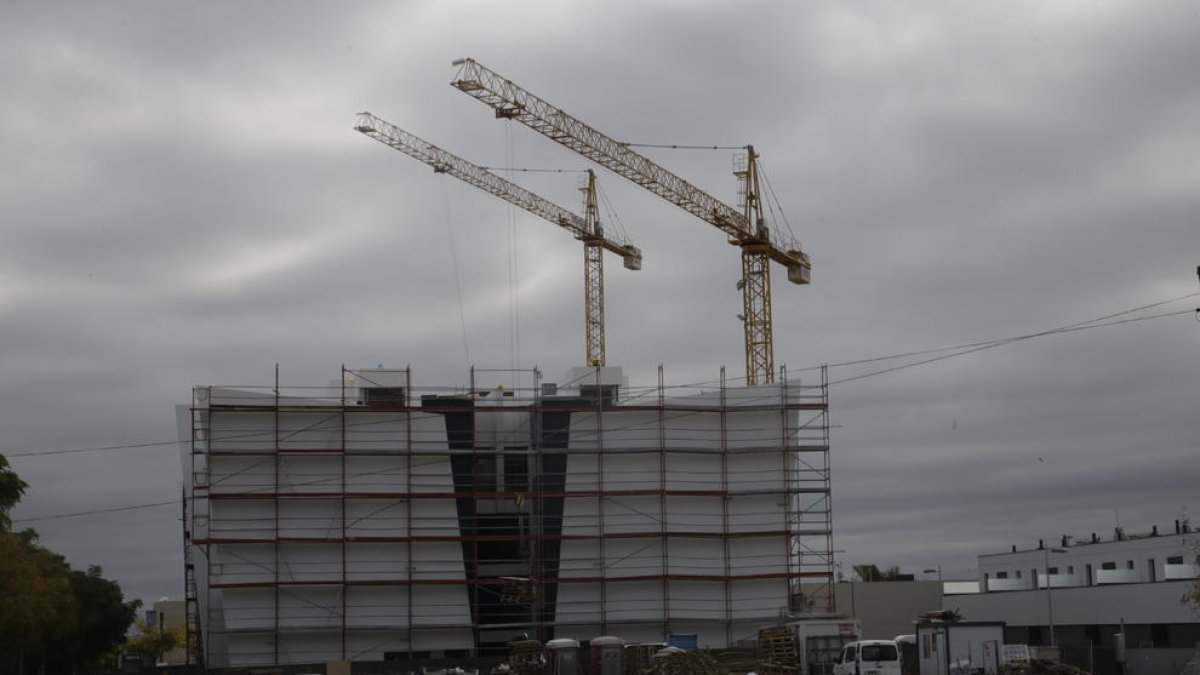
x: 887, y: 608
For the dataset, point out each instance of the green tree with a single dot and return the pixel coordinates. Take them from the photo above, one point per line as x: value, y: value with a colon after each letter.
x: 12, y: 488
x: 153, y: 643
x: 37, y: 603
x: 51, y: 615
x: 104, y: 614
x: 873, y: 573
x: 36, y: 599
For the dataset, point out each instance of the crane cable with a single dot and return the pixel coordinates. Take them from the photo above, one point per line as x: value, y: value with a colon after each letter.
x: 611, y: 214
x: 671, y: 146
x: 462, y: 318
x: 514, y: 307
x: 762, y: 169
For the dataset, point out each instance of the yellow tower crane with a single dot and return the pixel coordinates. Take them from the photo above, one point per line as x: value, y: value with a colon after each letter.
x: 585, y: 228
x: 746, y: 228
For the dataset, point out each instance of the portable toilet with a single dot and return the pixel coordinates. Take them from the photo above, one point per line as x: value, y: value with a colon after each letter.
x: 562, y: 655
x: 608, y: 655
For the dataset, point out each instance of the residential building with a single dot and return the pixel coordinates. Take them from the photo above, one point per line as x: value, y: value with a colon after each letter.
x: 170, y: 615
x: 1078, y: 594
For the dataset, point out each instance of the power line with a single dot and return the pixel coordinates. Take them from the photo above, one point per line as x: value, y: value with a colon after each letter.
x: 958, y: 350
x: 1006, y: 341
x: 968, y: 345
x: 963, y: 350
x: 95, y: 512
x: 152, y: 444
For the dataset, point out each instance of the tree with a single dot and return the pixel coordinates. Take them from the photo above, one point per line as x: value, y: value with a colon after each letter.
x: 36, y: 599
x: 101, y: 622
x: 37, y: 603
x: 12, y: 488
x: 153, y: 643
x: 1192, y: 596
x: 50, y: 614
x: 873, y: 573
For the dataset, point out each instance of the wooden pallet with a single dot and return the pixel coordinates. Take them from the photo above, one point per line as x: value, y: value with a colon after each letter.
x: 781, y: 654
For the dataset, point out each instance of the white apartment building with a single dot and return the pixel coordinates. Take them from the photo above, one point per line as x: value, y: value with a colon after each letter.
x: 1079, y: 593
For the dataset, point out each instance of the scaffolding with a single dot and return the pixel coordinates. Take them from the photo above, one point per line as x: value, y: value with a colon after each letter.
x: 376, y: 520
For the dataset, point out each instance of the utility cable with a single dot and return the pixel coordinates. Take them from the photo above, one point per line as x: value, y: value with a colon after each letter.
x: 70, y: 451
x: 1006, y: 341
x: 959, y: 350
x: 95, y: 512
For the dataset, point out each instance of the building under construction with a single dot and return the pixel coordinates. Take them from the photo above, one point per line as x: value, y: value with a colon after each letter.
x: 385, y: 518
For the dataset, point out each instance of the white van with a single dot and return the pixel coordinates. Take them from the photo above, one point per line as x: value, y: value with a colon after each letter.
x: 868, y: 657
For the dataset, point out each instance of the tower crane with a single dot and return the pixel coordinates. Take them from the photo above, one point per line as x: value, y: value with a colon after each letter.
x: 586, y: 228
x: 745, y: 227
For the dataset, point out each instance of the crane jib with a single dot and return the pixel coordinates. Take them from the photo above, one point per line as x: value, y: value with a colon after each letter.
x: 744, y: 228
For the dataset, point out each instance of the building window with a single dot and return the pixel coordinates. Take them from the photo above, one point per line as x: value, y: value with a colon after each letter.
x: 1018, y: 574
x: 1175, y: 560
x: 1051, y: 570
x: 1071, y: 570
x: 1128, y: 564
x: 1001, y: 575
x: 1108, y: 566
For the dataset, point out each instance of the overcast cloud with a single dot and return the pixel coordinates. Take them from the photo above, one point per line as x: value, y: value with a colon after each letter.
x: 184, y: 202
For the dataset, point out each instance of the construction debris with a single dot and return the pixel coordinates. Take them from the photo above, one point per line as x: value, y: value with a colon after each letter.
x: 945, y: 615
x: 686, y: 663
x: 525, y: 657
x: 1042, y: 667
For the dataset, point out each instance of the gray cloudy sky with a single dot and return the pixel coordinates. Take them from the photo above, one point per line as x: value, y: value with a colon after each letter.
x: 184, y: 202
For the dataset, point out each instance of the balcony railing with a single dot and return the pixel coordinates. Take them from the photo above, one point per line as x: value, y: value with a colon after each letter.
x: 1059, y: 580
x: 1117, y: 577
x: 1185, y: 571
x: 1008, y: 585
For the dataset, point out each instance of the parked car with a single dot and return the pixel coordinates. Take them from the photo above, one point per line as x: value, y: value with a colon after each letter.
x: 868, y: 657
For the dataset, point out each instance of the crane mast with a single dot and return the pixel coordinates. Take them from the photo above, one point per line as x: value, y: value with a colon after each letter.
x: 745, y: 227
x: 586, y: 228
x: 593, y: 276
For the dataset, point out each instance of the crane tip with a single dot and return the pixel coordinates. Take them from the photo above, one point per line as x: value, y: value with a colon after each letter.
x: 459, y: 62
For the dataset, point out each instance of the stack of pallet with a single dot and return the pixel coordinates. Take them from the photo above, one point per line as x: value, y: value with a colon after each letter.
x: 780, y: 652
